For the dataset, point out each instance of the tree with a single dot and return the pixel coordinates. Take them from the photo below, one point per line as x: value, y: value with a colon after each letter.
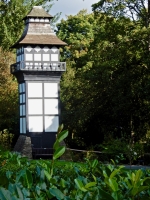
x: 8, y: 94
x: 108, y: 91
x: 11, y: 15
x: 133, y: 9
x: 77, y: 32
x: 137, y: 60
x: 123, y: 62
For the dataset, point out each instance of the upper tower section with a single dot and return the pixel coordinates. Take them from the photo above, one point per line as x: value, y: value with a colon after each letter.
x: 38, y: 30
x: 38, y: 47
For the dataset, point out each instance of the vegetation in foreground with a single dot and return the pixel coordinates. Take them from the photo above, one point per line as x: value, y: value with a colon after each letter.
x: 23, y: 179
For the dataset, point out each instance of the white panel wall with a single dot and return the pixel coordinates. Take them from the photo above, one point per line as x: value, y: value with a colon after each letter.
x: 43, y: 96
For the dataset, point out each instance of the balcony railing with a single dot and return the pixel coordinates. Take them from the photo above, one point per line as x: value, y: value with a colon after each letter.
x: 41, y: 66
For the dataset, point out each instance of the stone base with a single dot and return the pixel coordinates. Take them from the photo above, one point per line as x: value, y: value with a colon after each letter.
x: 23, y: 146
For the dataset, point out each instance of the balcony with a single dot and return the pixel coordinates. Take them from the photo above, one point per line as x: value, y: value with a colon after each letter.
x: 38, y: 66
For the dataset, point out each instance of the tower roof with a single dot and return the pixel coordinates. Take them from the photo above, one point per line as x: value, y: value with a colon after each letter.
x: 38, y: 11
x: 38, y: 30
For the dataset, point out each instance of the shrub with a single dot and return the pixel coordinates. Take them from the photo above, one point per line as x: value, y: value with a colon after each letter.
x: 6, y: 139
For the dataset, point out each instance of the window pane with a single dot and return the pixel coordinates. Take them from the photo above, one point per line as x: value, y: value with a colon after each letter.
x: 20, y: 110
x: 20, y: 98
x: 29, y: 57
x: 50, y: 90
x: 34, y: 89
x: 54, y: 57
x: 20, y: 125
x: 36, y: 124
x: 23, y: 110
x: 24, y: 125
x: 20, y: 88
x: 51, y: 106
x: 51, y: 123
x: 45, y: 57
x: 23, y: 87
x: 23, y: 98
x: 35, y: 106
x: 37, y: 57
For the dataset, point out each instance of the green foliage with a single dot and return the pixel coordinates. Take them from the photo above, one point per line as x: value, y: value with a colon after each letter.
x: 9, y: 94
x: 12, y: 13
x: 106, y: 90
x: 122, y: 149
x: 73, y: 181
x: 77, y: 32
x: 6, y: 139
x: 35, y: 180
x: 132, y: 9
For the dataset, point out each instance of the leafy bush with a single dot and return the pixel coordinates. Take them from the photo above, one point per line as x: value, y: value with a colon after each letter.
x: 122, y: 149
x: 6, y: 139
x: 44, y: 179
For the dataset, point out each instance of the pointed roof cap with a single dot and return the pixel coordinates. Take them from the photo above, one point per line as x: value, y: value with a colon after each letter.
x: 38, y: 11
x: 38, y: 30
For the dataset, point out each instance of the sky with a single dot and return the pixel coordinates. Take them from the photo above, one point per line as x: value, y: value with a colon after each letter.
x: 71, y: 7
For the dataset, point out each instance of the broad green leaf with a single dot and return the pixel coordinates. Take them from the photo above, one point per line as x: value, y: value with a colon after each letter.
x: 137, y: 190
x: 47, y: 174
x: 113, y: 184
x: 80, y: 185
x: 6, y: 195
x: 91, y: 184
x: 15, y: 189
x: 94, y: 163
x: 57, y: 193
x: 105, y: 174
x: 9, y: 174
x: 116, y: 171
x: 37, y: 189
x: 62, y: 183
x: 61, y: 136
x: 56, y: 145
x: 133, y: 177
x: 25, y: 177
x: 138, y: 176
x: 115, y: 195
x: 26, y: 192
x: 94, y: 178
x: 59, y: 152
x: 107, y: 171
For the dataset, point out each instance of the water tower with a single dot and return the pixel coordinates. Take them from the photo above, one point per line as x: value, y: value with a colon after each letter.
x: 38, y: 71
